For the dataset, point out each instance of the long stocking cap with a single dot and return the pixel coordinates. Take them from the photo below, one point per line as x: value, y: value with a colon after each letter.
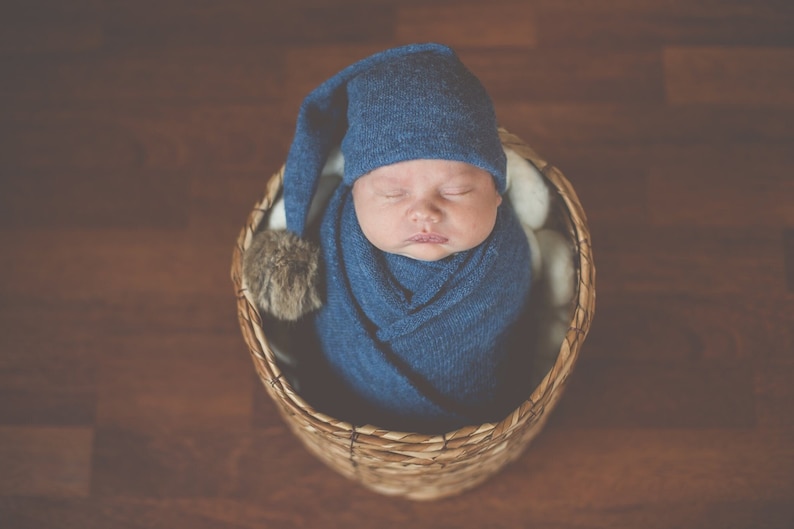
x: 412, y: 102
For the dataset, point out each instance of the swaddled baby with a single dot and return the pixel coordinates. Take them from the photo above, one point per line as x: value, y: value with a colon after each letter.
x: 423, y: 267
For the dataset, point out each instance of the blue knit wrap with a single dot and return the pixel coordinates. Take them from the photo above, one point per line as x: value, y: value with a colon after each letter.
x: 421, y: 343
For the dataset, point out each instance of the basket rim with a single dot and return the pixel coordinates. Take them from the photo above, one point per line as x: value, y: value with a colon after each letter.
x: 535, y: 407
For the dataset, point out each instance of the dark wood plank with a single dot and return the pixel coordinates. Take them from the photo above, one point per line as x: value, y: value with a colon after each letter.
x: 176, y: 74
x: 116, y: 266
x: 690, y: 260
x: 47, y: 365
x: 233, y: 136
x: 569, y: 74
x: 468, y: 24
x: 158, y: 381
x: 695, y: 329
x: 557, y: 462
x: 243, y: 23
x: 624, y: 201
x: 221, y: 463
x: 748, y: 186
x: 58, y: 27
x: 122, y: 199
x: 718, y: 465
x: 133, y: 513
x: 627, y: 126
x: 683, y: 362
x: 135, y: 166
x: 788, y: 257
x: 651, y: 23
x: 648, y: 395
x: 211, y: 513
x: 759, y: 76
x: 775, y: 396
x: 45, y: 461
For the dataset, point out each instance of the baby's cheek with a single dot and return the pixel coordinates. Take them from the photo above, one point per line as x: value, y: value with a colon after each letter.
x: 475, y: 230
x: 485, y: 223
x: 475, y: 224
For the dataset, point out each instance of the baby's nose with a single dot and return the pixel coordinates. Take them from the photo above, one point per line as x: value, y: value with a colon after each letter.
x: 425, y: 211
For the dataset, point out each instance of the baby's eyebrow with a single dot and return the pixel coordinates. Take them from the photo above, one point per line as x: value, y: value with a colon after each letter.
x: 389, y: 184
x: 389, y: 179
x: 462, y: 178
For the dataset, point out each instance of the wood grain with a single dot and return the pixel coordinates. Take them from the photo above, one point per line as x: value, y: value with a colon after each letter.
x: 55, y: 30
x: 500, y: 25
x: 47, y: 374
x: 788, y: 257
x: 244, y: 23
x: 177, y: 74
x: 45, y: 461
x: 689, y: 260
x: 568, y: 74
x: 647, y: 125
x: 142, y: 136
x: 748, y: 186
x: 160, y: 381
x: 760, y: 76
x: 649, y: 23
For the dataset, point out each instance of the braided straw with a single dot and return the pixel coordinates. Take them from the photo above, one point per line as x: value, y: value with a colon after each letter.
x: 412, y: 465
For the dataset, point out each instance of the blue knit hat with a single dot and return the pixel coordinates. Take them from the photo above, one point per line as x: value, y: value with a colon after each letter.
x: 413, y: 102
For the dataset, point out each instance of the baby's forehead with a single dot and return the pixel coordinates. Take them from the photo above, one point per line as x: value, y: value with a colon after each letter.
x: 428, y: 171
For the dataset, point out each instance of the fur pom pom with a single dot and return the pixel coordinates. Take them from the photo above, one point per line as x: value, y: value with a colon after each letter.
x: 282, y: 271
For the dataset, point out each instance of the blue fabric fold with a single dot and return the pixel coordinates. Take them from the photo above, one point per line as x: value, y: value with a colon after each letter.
x: 421, y: 344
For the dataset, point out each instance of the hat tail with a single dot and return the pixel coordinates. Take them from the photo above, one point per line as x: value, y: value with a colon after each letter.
x: 321, y: 125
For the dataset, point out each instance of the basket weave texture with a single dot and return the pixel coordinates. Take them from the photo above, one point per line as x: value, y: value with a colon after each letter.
x: 414, y: 465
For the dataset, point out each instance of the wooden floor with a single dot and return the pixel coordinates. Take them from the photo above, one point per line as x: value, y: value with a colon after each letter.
x: 136, y: 136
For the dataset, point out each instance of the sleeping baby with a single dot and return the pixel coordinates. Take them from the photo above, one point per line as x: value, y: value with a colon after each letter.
x: 421, y: 269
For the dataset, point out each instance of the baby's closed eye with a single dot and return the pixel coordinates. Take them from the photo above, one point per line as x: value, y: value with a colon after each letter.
x: 456, y: 191
x: 392, y: 193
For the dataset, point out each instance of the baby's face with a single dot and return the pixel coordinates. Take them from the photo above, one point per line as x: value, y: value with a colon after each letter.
x: 426, y: 209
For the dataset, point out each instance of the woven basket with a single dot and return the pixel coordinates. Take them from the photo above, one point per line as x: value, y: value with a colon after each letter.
x: 413, y: 465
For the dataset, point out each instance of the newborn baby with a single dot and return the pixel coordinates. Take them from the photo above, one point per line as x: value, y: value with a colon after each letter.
x: 425, y: 268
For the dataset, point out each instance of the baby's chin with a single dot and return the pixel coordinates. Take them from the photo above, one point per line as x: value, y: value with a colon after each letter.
x: 427, y: 256
x: 426, y: 251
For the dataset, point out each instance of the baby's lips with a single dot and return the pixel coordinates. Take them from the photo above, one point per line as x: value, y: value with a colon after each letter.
x: 428, y: 238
